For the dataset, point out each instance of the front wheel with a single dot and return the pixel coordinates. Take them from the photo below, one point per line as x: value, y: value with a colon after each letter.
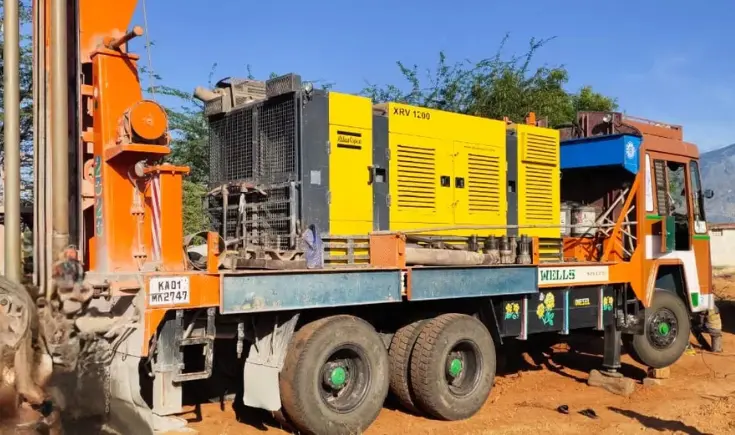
x: 666, y: 332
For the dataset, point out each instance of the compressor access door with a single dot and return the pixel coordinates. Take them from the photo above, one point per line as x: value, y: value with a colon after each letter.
x: 350, y: 162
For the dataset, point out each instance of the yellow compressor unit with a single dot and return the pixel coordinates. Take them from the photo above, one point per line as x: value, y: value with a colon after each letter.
x: 444, y: 169
x: 298, y: 156
x: 447, y: 169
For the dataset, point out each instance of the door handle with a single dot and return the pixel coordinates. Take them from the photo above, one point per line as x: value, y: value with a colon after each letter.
x: 459, y: 182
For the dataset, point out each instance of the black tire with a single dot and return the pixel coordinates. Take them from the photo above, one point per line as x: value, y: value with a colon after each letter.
x: 666, y: 332
x: 358, y: 378
x: 399, y: 353
x: 283, y: 421
x: 464, y: 339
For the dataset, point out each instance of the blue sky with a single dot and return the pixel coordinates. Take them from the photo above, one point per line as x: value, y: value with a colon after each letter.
x: 670, y: 61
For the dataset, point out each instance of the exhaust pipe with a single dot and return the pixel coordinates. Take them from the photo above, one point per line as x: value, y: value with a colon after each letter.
x: 11, y: 137
x: 204, y: 94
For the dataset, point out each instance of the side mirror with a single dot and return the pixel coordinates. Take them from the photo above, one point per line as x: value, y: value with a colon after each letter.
x: 709, y: 193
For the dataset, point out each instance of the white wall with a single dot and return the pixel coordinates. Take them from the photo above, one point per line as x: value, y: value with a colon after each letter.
x: 722, y: 244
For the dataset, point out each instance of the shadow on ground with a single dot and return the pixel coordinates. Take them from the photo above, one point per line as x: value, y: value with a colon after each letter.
x: 225, y: 387
x: 659, y: 424
x: 581, y: 352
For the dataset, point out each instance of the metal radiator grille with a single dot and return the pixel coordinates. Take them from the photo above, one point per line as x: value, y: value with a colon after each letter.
x: 282, y: 85
x: 231, y: 146
x: 277, y: 144
x: 268, y: 220
x: 255, y: 143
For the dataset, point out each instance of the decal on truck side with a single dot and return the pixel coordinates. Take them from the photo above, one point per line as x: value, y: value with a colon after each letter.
x: 98, y: 223
x: 573, y: 275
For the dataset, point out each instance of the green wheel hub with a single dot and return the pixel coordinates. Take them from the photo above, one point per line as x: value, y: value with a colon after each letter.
x: 663, y: 327
x: 338, y: 377
x: 455, y: 367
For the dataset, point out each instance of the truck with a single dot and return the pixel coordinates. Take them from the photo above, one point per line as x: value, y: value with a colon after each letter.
x: 355, y: 249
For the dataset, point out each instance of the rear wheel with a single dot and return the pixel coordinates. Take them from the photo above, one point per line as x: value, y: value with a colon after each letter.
x: 453, y: 366
x: 335, y: 377
x: 666, y: 331
x: 400, y: 350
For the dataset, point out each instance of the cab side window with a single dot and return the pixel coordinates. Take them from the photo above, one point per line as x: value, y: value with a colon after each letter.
x: 662, y: 199
x: 671, y: 188
x: 676, y: 174
x: 671, y: 196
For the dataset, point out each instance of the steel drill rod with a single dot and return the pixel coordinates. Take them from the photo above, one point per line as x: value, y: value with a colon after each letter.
x: 59, y: 126
x: 495, y: 227
x: 11, y: 138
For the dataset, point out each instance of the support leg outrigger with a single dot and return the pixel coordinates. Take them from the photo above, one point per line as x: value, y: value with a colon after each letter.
x: 609, y: 377
x: 612, y: 350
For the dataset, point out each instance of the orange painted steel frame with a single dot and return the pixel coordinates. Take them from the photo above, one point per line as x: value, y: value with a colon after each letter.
x: 640, y: 272
x: 118, y: 221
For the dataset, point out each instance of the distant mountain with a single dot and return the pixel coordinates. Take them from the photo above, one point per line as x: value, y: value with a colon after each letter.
x: 718, y: 174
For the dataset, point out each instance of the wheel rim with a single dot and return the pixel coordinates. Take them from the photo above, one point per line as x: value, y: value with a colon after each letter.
x: 662, y: 328
x: 463, y: 366
x: 344, y: 379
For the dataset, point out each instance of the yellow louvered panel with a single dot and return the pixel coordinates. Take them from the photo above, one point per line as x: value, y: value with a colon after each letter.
x: 539, y: 196
x: 445, y: 169
x: 416, y: 175
x: 541, y: 149
x: 479, y: 185
x: 537, y: 201
x: 483, y: 183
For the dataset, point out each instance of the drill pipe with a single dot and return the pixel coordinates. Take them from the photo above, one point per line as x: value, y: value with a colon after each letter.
x: 59, y: 126
x: 11, y: 137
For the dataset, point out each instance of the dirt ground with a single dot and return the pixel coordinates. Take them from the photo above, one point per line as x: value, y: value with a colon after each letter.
x: 699, y: 398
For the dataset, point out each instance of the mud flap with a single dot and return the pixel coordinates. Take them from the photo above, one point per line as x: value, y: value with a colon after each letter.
x: 129, y: 413
x: 265, y: 361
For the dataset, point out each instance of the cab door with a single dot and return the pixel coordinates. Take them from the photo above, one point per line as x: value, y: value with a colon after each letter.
x: 672, y: 181
x: 700, y: 239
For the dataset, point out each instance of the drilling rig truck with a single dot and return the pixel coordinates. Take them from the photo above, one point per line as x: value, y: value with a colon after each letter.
x: 355, y: 249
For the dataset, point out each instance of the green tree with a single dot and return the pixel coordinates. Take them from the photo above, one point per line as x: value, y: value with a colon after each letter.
x: 188, y: 128
x: 189, y: 146
x: 494, y: 87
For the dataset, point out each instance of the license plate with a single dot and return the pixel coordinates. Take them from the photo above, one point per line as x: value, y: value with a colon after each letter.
x: 170, y: 290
